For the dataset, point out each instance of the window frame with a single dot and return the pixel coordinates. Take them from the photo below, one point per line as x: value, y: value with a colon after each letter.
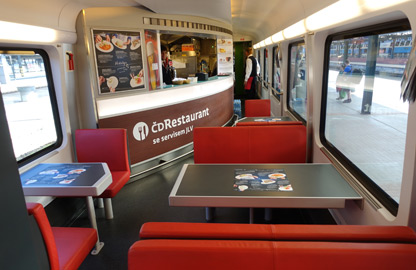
x: 265, y: 57
x: 274, y: 69
x: 396, y: 26
x: 53, y: 100
x: 291, y: 110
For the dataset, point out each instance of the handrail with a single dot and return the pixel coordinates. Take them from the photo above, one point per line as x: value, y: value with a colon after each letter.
x: 274, y: 92
x: 269, y: 85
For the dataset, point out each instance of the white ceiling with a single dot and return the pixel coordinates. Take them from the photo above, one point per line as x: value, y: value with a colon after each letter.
x: 256, y: 18
x: 213, y: 9
x: 263, y: 18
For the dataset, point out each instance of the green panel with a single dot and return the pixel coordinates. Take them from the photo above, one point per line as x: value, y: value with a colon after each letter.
x: 239, y: 63
x: 239, y: 68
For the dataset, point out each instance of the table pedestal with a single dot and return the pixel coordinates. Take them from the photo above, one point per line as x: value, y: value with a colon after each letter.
x: 91, y: 215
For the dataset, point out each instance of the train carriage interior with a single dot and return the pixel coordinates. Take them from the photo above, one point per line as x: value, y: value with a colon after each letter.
x: 322, y: 169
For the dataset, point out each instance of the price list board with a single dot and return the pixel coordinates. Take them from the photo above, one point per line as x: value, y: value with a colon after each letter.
x: 119, y: 60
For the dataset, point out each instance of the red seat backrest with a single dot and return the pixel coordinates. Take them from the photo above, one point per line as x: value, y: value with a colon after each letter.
x: 42, y: 220
x: 257, y: 108
x: 250, y: 144
x: 103, y: 145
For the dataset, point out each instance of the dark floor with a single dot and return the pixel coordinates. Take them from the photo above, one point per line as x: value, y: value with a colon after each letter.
x: 147, y: 200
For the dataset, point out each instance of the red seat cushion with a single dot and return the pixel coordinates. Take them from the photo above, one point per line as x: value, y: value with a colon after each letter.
x: 120, y: 178
x: 73, y: 245
x: 201, y: 255
x: 344, y: 256
x: 242, y: 255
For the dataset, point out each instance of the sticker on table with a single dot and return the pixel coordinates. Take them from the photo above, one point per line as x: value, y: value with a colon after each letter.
x: 275, y: 119
x: 66, y: 182
x: 261, y: 180
x: 30, y: 182
x: 286, y: 188
x: 57, y: 174
x: 60, y: 176
x: 49, y: 172
x: 77, y: 171
x: 246, y: 176
x: 267, y: 181
x: 277, y: 175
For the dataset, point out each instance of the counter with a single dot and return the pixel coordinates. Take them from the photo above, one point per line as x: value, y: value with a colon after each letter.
x: 159, y: 122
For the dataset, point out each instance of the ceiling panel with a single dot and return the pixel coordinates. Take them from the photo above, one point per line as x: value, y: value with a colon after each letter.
x: 213, y: 9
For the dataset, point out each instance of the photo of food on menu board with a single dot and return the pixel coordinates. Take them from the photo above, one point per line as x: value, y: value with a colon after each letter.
x: 119, y: 61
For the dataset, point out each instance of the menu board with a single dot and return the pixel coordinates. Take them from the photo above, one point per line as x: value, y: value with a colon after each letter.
x: 119, y: 60
x: 225, y: 60
x: 261, y: 180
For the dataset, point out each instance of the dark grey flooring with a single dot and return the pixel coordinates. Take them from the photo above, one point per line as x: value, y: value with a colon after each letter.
x: 147, y: 200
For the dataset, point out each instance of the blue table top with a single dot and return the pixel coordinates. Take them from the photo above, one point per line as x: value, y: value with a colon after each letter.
x: 66, y: 179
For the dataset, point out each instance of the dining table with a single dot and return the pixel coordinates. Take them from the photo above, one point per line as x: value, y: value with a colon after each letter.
x: 303, y: 185
x: 69, y: 180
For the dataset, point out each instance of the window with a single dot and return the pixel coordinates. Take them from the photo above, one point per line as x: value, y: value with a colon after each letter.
x: 297, y: 79
x: 265, y: 74
x: 276, y: 72
x: 30, y: 103
x: 364, y: 118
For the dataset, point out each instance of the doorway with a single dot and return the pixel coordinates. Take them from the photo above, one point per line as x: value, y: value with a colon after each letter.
x: 239, y: 65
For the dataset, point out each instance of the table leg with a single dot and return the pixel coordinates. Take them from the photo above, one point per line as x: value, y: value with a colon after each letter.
x: 209, y: 213
x: 268, y: 214
x: 251, y: 215
x: 91, y: 215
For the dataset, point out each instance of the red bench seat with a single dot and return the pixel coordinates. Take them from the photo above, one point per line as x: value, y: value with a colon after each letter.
x: 260, y: 246
x: 247, y: 255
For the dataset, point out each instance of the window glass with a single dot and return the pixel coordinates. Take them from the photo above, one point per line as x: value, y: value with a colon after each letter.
x: 265, y: 74
x: 365, y: 119
x: 297, y: 79
x: 276, y: 72
x: 29, y: 102
x: 259, y: 59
